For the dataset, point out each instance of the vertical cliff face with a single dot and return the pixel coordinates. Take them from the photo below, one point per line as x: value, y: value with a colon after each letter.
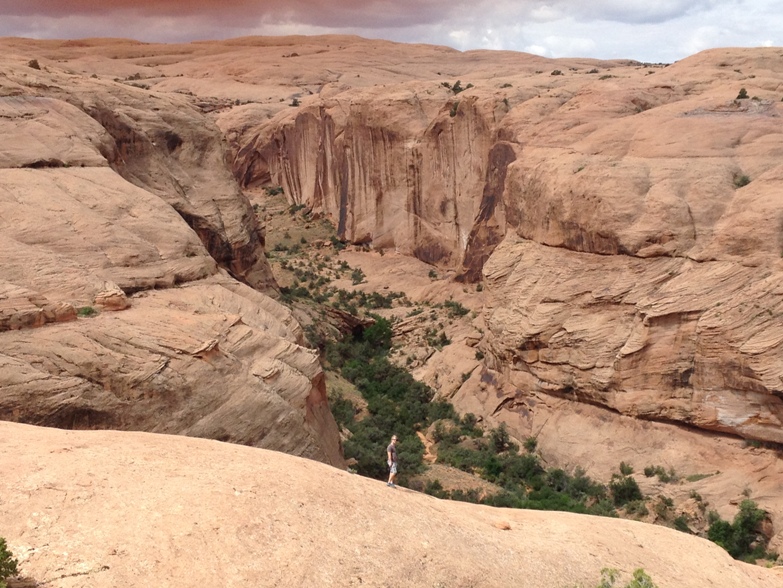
x: 407, y: 171
x: 181, y: 158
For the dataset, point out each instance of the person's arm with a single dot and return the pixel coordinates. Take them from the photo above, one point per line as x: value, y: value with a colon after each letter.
x: 389, y: 457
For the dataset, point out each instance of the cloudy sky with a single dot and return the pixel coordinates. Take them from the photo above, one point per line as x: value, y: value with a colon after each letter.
x: 647, y: 30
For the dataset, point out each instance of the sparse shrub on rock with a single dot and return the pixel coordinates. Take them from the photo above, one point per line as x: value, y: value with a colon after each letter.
x: 8, y: 564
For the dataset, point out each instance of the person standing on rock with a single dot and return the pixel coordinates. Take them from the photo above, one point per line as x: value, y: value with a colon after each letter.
x: 391, y: 460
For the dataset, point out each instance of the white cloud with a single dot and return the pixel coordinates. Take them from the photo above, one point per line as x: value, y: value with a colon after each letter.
x: 537, y: 50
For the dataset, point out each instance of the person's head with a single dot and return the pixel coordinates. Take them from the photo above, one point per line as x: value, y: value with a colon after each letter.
x: 394, y: 439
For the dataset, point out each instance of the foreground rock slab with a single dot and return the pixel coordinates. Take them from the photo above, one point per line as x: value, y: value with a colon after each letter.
x: 93, y: 509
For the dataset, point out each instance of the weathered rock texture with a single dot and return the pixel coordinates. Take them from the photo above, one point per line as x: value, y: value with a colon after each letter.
x: 93, y: 509
x: 639, y: 271
x: 113, y: 199
x: 627, y: 262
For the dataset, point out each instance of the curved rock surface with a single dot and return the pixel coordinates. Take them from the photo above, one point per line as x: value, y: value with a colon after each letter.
x: 127, y: 241
x: 106, y: 508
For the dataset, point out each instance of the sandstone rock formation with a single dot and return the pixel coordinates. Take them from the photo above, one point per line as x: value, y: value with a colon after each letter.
x: 617, y: 186
x: 113, y: 200
x: 90, y: 509
x: 639, y: 271
x: 624, y: 217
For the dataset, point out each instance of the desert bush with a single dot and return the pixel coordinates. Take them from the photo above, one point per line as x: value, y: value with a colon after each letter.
x: 8, y: 564
x: 741, y: 180
x: 357, y: 276
x: 343, y: 410
x: 640, y: 579
x: 637, y: 507
x: 663, y: 475
x: 625, y: 469
x: 681, y: 524
x: 624, y: 489
x: 34, y: 64
x: 743, y: 94
x: 741, y: 538
x: 435, y: 488
x: 455, y: 309
x: 663, y: 507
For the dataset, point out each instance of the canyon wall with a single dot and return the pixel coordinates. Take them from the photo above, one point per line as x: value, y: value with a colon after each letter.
x: 626, y: 218
x: 135, y: 293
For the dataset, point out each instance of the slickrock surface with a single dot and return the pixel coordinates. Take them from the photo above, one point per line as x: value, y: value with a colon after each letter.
x: 92, y: 509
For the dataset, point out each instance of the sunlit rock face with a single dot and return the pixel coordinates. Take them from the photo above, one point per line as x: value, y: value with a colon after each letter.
x: 137, y: 509
x: 134, y: 291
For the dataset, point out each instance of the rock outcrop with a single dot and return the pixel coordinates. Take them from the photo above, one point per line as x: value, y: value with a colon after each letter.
x: 128, y: 242
x: 106, y: 508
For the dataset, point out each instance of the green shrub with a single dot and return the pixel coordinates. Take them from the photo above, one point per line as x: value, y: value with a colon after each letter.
x: 455, y: 309
x: 530, y: 444
x: 34, y: 64
x: 640, y: 579
x: 500, y: 440
x: 741, y: 181
x: 663, y: 507
x: 681, y: 524
x: 435, y: 488
x: 637, y: 507
x: 343, y: 410
x: 8, y: 565
x: 663, y: 475
x: 625, y: 469
x: 743, y: 94
x: 624, y: 489
x: 742, y: 538
x: 86, y: 311
x: 357, y: 276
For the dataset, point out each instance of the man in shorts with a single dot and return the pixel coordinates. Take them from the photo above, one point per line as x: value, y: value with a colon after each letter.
x: 391, y: 460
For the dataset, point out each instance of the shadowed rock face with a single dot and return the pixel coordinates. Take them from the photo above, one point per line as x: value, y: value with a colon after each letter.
x: 115, y: 200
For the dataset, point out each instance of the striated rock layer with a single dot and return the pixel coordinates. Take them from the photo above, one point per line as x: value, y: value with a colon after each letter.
x: 93, y: 509
x: 132, y: 274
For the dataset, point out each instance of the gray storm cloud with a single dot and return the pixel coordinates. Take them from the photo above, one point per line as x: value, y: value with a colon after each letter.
x: 362, y: 13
